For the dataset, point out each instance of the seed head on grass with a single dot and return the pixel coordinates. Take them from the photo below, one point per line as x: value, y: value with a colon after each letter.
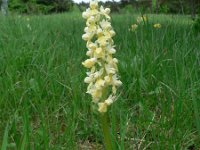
x: 102, y: 75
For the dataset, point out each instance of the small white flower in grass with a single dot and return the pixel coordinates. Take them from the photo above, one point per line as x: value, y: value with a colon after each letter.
x: 102, y: 75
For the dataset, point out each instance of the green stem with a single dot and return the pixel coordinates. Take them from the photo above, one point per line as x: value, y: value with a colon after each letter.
x: 106, y: 131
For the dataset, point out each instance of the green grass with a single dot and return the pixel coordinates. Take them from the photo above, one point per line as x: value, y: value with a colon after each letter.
x: 43, y: 104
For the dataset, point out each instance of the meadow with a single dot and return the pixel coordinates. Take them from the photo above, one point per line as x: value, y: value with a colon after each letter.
x: 43, y: 104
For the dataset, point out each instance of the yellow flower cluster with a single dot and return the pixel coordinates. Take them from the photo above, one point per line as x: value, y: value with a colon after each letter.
x: 134, y: 27
x: 157, y: 25
x: 102, y: 76
x: 140, y: 19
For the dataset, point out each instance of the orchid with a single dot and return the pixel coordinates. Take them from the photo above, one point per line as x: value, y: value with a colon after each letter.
x: 102, y: 76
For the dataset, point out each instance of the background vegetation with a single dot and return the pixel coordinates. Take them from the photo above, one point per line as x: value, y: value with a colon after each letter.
x: 153, y: 6
x: 43, y: 104
x: 39, y: 6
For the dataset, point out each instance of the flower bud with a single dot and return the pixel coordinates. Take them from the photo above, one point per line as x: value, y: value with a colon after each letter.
x: 91, y: 19
x: 89, y: 53
x: 89, y: 62
x: 107, y: 79
x: 88, y: 80
x: 115, y: 60
x: 112, y: 51
x: 92, y: 46
x: 107, y: 11
x: 93, y: 4
x: 99, y: 50
x: 96, y: 95
x: 109, y: 101
x: 85, y: 15
x: 86, y: 37
x: 99, y: 32
x: 102, y: 107
x: 112, y: 33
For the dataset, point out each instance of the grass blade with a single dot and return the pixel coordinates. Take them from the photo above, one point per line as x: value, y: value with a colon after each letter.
x: 5, y: 139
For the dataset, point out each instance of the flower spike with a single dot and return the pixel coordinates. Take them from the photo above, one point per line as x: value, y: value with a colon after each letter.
x: 102, y: 76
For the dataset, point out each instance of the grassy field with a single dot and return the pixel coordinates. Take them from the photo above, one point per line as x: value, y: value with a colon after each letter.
x: 43, y: 104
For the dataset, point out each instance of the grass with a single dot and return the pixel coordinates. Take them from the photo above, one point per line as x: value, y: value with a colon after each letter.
x: 43, y: 104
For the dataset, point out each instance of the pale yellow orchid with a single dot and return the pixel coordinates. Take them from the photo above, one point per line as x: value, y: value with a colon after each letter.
x: 103, y: 67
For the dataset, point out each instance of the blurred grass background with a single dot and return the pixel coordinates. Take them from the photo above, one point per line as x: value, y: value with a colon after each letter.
x: 43, y: 104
